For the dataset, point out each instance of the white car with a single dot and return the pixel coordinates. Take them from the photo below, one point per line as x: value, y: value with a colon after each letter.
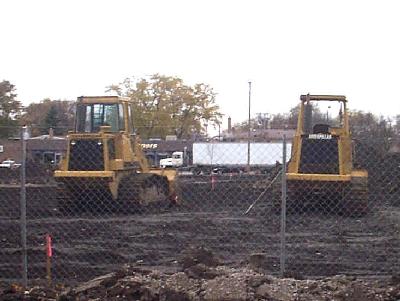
x: 9, y: 164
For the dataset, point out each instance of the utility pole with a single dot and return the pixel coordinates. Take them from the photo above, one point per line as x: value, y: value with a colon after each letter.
x: 249, y: 132
x: 24, y: 138
x: 327, y: 114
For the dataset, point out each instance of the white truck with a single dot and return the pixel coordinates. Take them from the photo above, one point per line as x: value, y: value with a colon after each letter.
x: 224, y: 157
x: 175, y: 161
x: 9, y: 164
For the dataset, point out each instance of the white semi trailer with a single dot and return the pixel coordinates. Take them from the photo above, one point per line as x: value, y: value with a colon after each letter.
x: 229, y: 156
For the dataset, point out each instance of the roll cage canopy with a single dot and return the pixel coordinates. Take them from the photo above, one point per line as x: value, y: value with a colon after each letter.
x: 309, y: 97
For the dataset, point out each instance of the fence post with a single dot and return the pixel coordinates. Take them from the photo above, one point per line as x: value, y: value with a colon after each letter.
x: 24, y: 134
x: 283, y: 211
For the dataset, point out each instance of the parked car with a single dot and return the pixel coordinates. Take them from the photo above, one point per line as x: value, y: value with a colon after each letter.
x: 9, y: 164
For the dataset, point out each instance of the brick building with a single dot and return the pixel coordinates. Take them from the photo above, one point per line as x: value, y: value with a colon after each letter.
x: 39, y: 149
x: 10, y: 149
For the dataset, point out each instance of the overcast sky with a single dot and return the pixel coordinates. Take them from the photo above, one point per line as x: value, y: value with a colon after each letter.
x: 64, y: 49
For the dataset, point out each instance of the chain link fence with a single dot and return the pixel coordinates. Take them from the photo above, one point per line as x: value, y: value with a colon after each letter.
x: 227, y: 202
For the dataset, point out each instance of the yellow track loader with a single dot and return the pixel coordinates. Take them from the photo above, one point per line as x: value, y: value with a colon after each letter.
x: 104, y: 162
x: 320, y: 172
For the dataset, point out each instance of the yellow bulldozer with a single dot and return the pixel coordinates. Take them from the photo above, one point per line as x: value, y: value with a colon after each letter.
x: 104, y: 162
x: 320, y: 172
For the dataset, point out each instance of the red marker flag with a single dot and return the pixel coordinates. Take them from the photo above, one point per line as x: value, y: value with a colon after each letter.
x: 49, y: 250
x: 213, y: 181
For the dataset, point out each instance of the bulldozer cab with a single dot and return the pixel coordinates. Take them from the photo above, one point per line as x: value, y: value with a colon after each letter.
x: 94, y: 112
x: 103, y: 139
x: 323, y: 114
x: 322, y: 144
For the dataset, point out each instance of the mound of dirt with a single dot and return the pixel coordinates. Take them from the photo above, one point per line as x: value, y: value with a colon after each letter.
x: 218, y: 283
x: 227, y: 284
x: 203, y: 278
x: 17, y: 293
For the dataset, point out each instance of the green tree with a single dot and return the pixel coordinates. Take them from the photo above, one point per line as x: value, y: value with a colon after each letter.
x: 369, y: 129
x: 51, y: 120
x: 10, y: 109
x: 58, y: 114
x: 165, y: 105
x: 397, y: 125
x: 283, y: 120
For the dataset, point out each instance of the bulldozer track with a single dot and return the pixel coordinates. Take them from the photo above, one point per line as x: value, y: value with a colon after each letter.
x: 356, y: 202
x: 70, y: 199
x: 347, y: 199
x: 140, y: 190
x: 135, y: 193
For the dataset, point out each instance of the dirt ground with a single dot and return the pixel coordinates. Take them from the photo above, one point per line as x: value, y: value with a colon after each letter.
x: 97, y: 242
x: 201, y: 277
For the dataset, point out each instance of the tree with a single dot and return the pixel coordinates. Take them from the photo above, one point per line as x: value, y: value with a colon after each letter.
x: 51, y: 120
x: 10, y: 108
x: 165, y: 105
x: 283, y: 120
x: 397, y: 125
x: 369, y: 129
x: 56, y: 114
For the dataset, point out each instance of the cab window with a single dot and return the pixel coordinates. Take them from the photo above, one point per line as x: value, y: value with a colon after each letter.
x: 90, y: 117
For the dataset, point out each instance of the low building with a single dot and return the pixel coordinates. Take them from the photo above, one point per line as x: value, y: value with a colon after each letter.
x: 40, y: 149
x: 47, y: 149
x: 10, y: 150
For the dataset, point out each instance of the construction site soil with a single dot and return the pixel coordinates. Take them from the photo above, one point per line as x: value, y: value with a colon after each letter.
x: 100, y: 240
x: 202, y: 278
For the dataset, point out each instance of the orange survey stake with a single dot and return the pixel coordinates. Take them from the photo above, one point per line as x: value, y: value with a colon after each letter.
x: 49, y: 250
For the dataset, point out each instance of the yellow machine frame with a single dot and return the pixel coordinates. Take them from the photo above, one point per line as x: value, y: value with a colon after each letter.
x: 127, y: 149
x: 346, y: 172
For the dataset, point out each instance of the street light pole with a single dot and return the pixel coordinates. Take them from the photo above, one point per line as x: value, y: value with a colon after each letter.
x: 249, y: 132
x: 327, y: 114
